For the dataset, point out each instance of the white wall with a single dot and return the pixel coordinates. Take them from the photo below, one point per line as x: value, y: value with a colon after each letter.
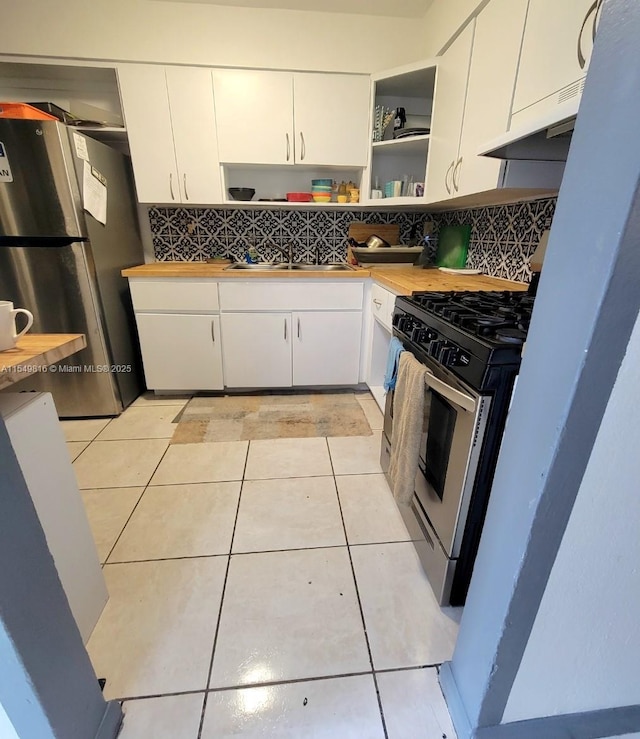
x: 584, y: 650
x: 193, y: 33
x: 443, y: 19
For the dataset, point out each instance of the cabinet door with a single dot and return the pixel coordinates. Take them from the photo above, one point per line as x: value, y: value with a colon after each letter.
x: 181, y: 351
x: 448, y: 111
x: 193, y: 120
x: 257, y: 349
x: 489, y: 92
x: 254, y: 111
x: 331, y: 117
x: 145, y: 103
x: 326, y: 348
x: 556, y: 49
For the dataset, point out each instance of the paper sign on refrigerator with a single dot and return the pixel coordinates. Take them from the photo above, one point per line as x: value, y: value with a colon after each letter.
x: 94, y: 193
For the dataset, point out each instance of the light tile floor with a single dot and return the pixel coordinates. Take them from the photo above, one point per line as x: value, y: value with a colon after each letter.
x: 257, y: 589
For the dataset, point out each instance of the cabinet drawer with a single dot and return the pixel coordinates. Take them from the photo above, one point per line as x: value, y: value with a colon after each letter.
x: 382, y: 304
x: 174, y: 294
x: 290, y: 296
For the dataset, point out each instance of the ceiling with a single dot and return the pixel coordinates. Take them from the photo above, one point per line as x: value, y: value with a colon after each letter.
x: 391, y: 8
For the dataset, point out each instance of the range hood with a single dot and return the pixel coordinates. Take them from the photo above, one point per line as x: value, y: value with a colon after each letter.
x: 544, y: 139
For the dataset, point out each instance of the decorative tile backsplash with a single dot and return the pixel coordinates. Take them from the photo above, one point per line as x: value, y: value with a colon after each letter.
x: 502, y: 237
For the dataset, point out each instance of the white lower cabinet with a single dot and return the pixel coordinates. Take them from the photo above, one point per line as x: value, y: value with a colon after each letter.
x: 326, y: 348
x: 181, y: 351
x: 257, y: 349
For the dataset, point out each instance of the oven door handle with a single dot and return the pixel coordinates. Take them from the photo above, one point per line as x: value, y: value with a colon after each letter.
x: 455, y: 396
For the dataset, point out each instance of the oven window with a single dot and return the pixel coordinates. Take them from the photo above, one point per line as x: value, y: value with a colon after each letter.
x: 442, y: 420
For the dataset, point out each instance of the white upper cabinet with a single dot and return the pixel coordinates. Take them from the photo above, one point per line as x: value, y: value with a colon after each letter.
x: 446, y: 127
x: 255, y: 116
x: 556, y: 50
x: 331, y: 119
x: 143, y: 91
x: 489, y: 92
x: 193, y: 120
x: 285, y: 118
x: 171, y: 125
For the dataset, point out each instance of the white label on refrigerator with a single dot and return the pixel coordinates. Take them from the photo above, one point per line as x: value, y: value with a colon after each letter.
x: 81, y: 147
x: 94, y: 193
x: 5, y: 168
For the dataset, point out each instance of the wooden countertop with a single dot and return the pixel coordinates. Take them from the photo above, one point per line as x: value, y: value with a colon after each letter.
x: 35, y: 351
x: 202, y: 269
x: 405, y: 280
x: 402, y: 280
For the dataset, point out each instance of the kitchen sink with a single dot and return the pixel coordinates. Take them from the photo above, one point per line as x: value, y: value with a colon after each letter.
x: 263, y: 266
x: 322, y: 267
x: 269, y: 267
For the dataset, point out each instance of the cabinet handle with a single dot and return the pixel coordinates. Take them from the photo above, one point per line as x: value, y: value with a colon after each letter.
x: 378, y: 303
x: 288, y: 147
x: 173, y: 197
x: 303, y: 147
x: 184, y: 180
x: 446, y: 178
x: 298, y: 328
x: 595, y: 10
x: 285, y: 329
x: 456, y: 170
x: 213, y: 331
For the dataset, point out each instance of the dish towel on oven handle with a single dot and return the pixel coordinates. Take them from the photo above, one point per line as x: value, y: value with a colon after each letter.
x: 393, y: 358
x: 408, y: 420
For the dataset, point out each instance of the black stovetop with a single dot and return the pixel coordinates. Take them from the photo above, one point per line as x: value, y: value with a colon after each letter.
x: 499, y: 317
x: 466, y: 332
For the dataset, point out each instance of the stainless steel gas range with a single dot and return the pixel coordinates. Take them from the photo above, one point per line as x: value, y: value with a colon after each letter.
x: 471, y: 343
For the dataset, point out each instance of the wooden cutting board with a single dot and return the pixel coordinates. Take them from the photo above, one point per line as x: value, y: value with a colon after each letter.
x: 390, y: 232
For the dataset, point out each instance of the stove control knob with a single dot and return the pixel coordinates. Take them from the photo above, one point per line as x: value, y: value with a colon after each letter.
x: 419, y: 334
x: 433, y: 347
x: 406, y: 324
x: 449, y: 356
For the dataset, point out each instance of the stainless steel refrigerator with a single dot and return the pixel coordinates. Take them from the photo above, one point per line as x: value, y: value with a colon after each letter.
x: 64, y: 266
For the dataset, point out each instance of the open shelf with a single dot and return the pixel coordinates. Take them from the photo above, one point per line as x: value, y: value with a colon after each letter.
x: 410, y: 144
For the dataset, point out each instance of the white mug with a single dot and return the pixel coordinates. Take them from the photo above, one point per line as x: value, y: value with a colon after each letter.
x: 8, y: 335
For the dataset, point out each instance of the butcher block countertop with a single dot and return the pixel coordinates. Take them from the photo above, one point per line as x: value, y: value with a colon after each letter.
x: 34, y: 352
x: 402, y: 280
x: 405, y: 280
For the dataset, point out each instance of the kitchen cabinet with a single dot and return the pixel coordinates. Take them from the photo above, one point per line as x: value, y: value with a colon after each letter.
x: 410, y: 87
x: 181, y: 351
x: 299, y: 333
x: 489, y: 92
x: 331, y: 119
x: 257, y: 349
x: 473, y: 105
x: 171, y: 124
x: 556, y: 49
x: 179, y: 332
x: 281, y: 118
x: 446, y: 128
x: 326, y: 348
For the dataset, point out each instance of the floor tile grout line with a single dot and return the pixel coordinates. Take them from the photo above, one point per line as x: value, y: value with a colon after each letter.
x: 222, y: 594
x: 259, y: 551
x: 355, y: 584
x: 276, y: 683
x: 206, y: 482
x: 115, y: 543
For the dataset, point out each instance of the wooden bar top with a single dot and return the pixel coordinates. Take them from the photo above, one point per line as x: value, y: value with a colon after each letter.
x: 34, y: 352
x: 402, y: 280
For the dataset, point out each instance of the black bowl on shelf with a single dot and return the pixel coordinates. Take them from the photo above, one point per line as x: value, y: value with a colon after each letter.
x: 242, y: 193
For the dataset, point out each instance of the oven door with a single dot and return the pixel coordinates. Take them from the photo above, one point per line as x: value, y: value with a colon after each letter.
x: 453, y: 433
